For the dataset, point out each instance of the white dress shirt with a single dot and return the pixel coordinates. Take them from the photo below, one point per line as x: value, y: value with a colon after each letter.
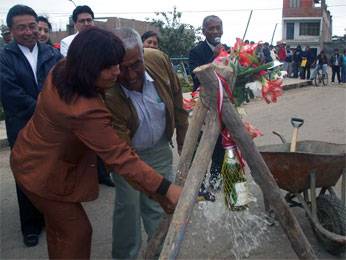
x: 151, y: 112
x: 65, y: 44
x: 31, y: 56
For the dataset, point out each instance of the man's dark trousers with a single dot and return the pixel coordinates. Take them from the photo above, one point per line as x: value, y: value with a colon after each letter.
x: 336, y: 70
x: 217, y: 158
x: 31, y: 219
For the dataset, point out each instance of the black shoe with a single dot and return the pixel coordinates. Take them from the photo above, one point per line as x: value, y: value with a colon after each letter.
x: 30, y: 240
x: 206, y: 195
x: 215, y: 183
x: 107, y: 181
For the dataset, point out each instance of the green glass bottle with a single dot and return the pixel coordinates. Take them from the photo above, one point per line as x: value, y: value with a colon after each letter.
x: 234, y: 181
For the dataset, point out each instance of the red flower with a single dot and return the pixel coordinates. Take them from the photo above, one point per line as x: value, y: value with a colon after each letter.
x: 250, y: 49
x: 222, y: 58
x: 244, y: 59
x: 253, y: 131
x: 246, y: 53
x: 272, y: 88
x: 262, y: 72
x: 195, y: 94
x: 238, y: 45
x: 188, y: 104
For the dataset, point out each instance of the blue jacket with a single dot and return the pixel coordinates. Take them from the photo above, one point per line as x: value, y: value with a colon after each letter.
x: 309, y: 56
x: 267, y: 56
x: 18, y: 87
x: 333, y: 59
x: 297, y: 56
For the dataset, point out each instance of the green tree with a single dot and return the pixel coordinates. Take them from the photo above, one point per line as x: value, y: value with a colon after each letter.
x: 176, y: 38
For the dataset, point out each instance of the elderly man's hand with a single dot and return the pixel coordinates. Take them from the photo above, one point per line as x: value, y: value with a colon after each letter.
x: 218, y: 49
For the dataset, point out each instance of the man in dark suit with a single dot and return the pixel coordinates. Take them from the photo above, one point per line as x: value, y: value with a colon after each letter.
x: 205, y: 52
x: 24, y: 65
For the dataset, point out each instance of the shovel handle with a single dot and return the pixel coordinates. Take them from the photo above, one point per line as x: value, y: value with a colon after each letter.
x: 294, y: 140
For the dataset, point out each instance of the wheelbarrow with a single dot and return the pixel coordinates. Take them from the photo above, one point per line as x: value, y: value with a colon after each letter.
x: 313, y: 166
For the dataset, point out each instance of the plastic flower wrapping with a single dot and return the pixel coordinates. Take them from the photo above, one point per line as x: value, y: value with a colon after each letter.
x: 251, y: 78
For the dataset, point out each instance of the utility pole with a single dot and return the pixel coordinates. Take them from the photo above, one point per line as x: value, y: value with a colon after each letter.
x: 248, y: 22
x: 271, y: 42
x: 70, y: 26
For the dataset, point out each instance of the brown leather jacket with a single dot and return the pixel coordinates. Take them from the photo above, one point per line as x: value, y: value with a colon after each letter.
x: 125, y: 119
x: 54, y: 155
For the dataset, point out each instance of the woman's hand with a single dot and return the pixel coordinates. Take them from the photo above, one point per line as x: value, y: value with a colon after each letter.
x: 169, y: 202
x: 173, y: 194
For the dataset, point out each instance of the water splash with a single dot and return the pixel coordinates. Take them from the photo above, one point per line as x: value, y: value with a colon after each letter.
x: 234, y: 233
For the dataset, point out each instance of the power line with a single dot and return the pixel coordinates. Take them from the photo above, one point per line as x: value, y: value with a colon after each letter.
x: 188, y: 11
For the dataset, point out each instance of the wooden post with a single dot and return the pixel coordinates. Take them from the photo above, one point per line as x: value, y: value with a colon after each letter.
x: 190, y: 142
x: 193, y: 182
x: 191, y: 138
x: 259, y: 169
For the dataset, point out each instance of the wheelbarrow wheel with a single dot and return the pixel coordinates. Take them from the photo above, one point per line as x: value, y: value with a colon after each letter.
x: 331, y: 215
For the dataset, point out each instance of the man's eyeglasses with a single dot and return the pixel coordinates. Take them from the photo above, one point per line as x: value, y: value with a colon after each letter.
x: 134, y: 66
x: 25, y: 27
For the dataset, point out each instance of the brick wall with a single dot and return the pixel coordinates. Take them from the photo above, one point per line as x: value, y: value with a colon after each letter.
x: 57, y: 36
x: 115, y: 22
x: 110, y: 24
x: 306, y: 9
x: 305, y: 12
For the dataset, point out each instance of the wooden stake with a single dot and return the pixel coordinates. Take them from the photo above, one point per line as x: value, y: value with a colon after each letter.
x: 259, y: 169
x: 193, y: 182
x: 191, y: 138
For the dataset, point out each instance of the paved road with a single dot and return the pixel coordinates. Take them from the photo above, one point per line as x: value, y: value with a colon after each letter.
x: 212, y: 232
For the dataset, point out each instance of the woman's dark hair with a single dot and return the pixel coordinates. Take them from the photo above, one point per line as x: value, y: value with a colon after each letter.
x: 92, y: 51
x: 19, y: 10
x: 45, y: 20
x: 80, y: 10
x: 149, y: 34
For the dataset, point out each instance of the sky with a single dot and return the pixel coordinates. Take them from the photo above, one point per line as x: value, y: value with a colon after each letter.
x: 234, y: 13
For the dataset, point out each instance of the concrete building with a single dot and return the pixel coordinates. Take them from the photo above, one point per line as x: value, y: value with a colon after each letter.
x: 306, y: 22
x: 108, y: 23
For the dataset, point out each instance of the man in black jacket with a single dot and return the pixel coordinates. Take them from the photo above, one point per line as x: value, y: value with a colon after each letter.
x: 336, y: 62
x: 205, y: 52
x: 24, y: 65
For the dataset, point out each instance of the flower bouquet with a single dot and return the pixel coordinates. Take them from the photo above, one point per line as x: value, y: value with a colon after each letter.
x: 246, y: 68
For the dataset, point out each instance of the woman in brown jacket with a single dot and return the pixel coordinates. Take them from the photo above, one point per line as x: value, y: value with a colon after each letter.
x: 54, y: 157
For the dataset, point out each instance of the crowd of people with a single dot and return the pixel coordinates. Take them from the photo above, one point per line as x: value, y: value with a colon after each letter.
x: 108, y: 98
x: 102, y: 107
x: 304, y: 63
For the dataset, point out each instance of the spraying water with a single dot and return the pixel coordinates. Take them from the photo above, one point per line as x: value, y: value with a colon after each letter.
x: 232, y: 234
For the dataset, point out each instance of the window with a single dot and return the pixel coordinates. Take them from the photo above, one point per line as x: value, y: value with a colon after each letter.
x: 294, y: 3
x: 289, y: 31
x: 317, y: 3
x: 310, y: 29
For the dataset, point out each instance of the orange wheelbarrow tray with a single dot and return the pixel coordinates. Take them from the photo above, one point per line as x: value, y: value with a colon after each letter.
x: 314, y: 165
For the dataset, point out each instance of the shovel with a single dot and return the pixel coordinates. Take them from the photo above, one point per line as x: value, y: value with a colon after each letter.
x: 296, y: 123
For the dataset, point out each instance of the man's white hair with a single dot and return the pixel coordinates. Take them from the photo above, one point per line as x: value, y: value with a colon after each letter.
x: 130, y: 38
